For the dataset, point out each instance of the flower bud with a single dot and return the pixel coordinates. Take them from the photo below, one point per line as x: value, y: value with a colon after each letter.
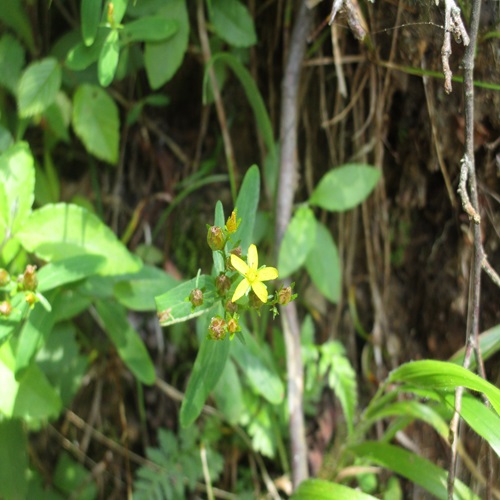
x: 4, y: 277
x: 235, y: 251
x: 285, y: 295
x: 5, y: 308
x: 232, y: 224
x: 215, y: 238
x: 233, y: 326
x: 217, y: 329
x: 28, y: 281
x: 223, y: 284
x: 31, y: 298
x: 196, y: 297
x: 231, y: 307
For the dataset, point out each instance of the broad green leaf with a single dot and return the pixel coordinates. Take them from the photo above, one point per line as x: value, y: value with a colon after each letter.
x: 323, y: 264
x: 127, y: 341
x: 119, y: 8
x: 489, y: 344
x: 47, y: 182
x: 259, y: 372
x: 60, y: 231
x: 299, y: 239
x: 62, y: 272
x: 233, y: 23
x: 16, y: 17
x: 345, y: 187
x: 58, y: 116
x: 174, y: 306
x: 444, y: 376
x: 319, y: 489
x: 341, y: 378
x: 413, y: 467
x: 96, y: 122
x: 162, y: 59
x: 246, y: 203
x: 263, y: 432
x: 138, y: 291
x: 70, y: 476
x: 11, y: 62
x: 259, y: 109
x: 31, y: 397
x: 207, y: 369
x: 33, y: 335
x: 6, y: 139
x: 108, y: 58
x: 91, y: 11
x: 14, y: 460
x: 81, y: 57
x: 483, y: 420
x: 61, y: 362
x: 228, y: 393
x: 69, y: 303
x: 38, y: 87
x: 149, y: 29
x: 17, y: 181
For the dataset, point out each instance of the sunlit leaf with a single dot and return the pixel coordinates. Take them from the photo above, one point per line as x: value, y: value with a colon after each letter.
x: 96, y: 122
x: 345, y: 187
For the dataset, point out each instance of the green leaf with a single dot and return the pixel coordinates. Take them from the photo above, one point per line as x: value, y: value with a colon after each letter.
x: 207, y: 369
x: 61, y: 362
x: 38, y: 87
x: 444, y: 376
x: 345, y: 187
x: 319, y: 489
x: 174, y: 306
x: 149, y: 29
x: 259, y: 372
x: 60, y: 231
x: 17, y: 184
x: 413, y: 467
x: 299, y: 239
x: 70, y: 476
x: 323, y: 264
x: 14, y: 460
x: 58, y: 116
x: 489, y: 344
x: 108, y: 58
x: 62, y: 272
x: 81, y: 57
x: 233, y: 23
x: 246, y: 203
x: 228, y: 393
x: 16, y: 17
x: 96, y: 122
x: 31, y: 397
x: 11, y: 62
x: 138, y: 291
x: 341, y: 378
x: 91, y: 12
x: 33, y: 335
x: 127, y: 341
x: 483, y: 420
x: 162, y: 59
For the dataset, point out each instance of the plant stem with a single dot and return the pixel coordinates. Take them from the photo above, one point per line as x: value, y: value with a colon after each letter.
x: 288, y: 166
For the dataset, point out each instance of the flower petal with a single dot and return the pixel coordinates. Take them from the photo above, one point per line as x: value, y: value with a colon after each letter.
x: 260, y: 290
x: 239, y: 264
x: 253, y: 257
x: 240, y: 289
x: 267, y: 273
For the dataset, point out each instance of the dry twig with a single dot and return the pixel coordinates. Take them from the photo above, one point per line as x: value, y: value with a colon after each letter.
x: 288, y: 162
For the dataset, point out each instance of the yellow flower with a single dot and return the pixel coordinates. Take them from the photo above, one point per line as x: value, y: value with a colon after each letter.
x: 252, y: 277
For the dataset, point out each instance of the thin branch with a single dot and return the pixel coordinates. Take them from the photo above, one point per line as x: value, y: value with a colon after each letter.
x: 452, y: 25
x: 471, y: 206
x: 219, y: 106
x: 288, y: 172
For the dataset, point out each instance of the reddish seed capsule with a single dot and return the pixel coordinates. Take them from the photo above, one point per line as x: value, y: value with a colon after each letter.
x: 215, y: 238
x: 218, y: 328
x: 196, y: 297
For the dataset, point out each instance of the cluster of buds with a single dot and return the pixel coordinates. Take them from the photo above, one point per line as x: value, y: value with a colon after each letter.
x: 26, y: 283
x: 220, y: 327
x: 217, y: 237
